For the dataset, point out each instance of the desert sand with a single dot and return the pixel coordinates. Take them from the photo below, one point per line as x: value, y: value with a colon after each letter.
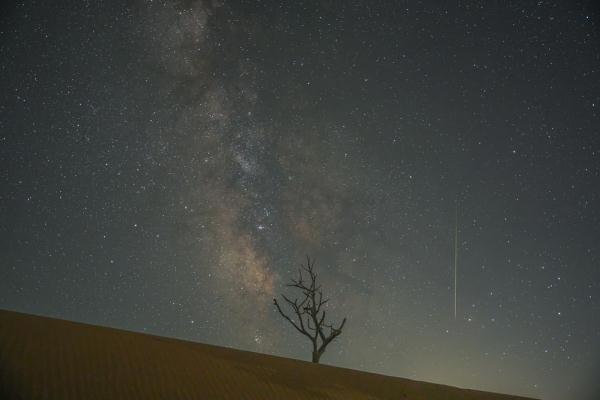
x: 45, y: 358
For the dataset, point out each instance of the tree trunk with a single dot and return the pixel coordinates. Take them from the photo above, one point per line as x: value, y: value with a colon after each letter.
x: 316, y: 355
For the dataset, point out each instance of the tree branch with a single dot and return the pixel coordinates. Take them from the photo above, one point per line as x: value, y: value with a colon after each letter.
x: 284, y: 315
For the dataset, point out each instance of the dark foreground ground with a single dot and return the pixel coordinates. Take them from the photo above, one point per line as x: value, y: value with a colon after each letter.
x: 44, y: 358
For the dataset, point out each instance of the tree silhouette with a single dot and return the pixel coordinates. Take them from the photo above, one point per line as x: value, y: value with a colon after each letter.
x: 308, y: 317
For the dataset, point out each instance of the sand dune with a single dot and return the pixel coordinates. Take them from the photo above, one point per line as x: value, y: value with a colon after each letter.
x: 45, y: 358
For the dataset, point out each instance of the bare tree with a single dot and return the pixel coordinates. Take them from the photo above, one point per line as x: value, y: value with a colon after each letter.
x: 308, y: 317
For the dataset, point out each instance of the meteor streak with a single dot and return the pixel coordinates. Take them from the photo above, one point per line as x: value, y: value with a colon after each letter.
x: 455, y: 256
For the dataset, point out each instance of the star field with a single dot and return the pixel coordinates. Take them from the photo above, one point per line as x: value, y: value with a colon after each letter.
x: 166, y: 166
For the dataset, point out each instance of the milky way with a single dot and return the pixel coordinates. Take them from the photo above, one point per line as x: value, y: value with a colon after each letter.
x: 166, y: 166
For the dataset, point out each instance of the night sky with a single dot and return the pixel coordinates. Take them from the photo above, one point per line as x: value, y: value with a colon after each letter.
x: 166, y: 166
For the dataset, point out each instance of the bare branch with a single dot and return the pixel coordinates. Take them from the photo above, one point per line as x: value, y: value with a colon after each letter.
x: 298, y: 328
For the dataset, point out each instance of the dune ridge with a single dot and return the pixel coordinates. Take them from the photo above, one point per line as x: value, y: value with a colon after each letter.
x: 46, y: 358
